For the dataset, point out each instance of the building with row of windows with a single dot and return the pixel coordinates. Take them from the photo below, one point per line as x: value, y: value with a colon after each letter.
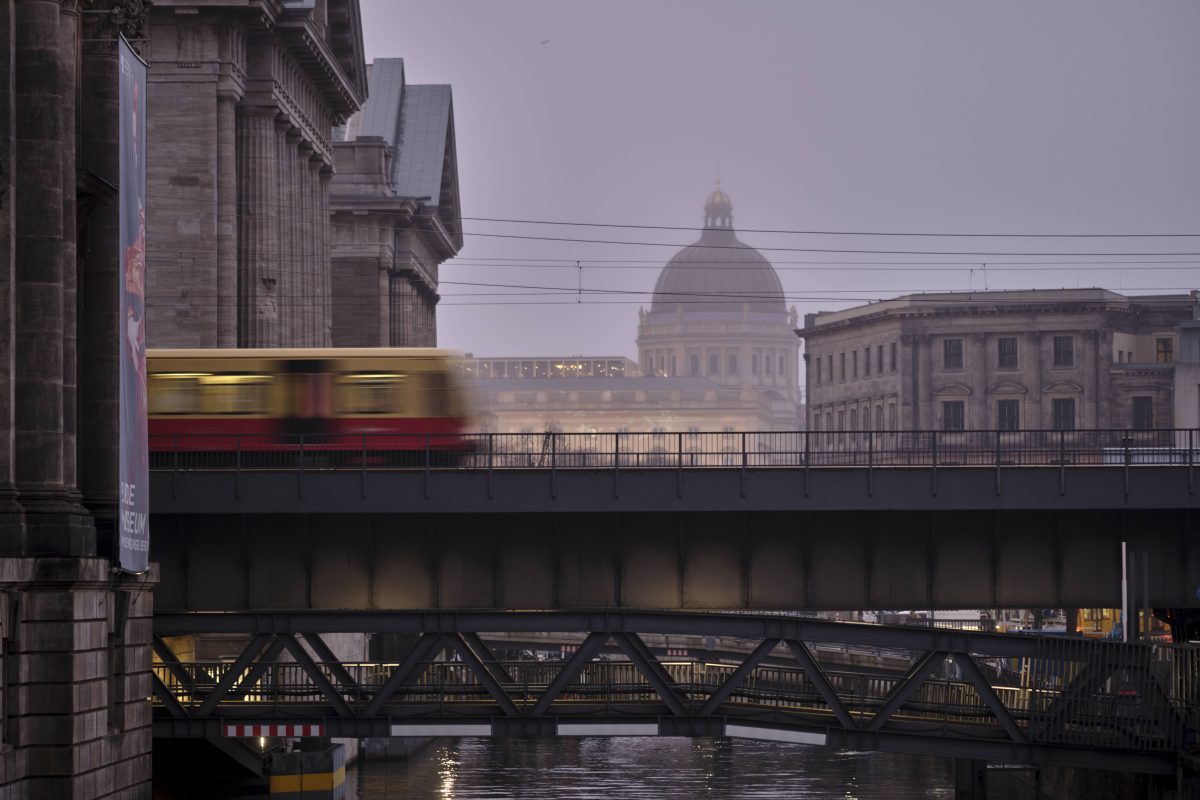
x: 1006, y: 360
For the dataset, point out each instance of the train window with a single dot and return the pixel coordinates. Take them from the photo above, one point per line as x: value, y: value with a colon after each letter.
x: 372, y: 393
x: 237, y: 394
x: 174, y: 393
x: 437, y: 394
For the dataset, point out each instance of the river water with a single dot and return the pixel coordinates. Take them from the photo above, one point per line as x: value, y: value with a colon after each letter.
x: 654, y: 768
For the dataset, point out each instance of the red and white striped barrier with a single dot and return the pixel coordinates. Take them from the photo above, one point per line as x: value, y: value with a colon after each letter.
x: 274, y: 730
x: 675, y: 652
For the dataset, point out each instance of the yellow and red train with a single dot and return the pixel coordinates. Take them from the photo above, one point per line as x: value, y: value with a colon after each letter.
x: 385, y: 400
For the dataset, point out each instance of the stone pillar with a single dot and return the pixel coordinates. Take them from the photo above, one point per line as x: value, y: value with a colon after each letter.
x: 54, y: 523
x: 68, y: 36
x: 1033, y: 374
x: 978, y: 416
x: 325, y: 289
x: 923, y: 385
x: 99, y: 281
x: 12, y: 531
x: 227, y: 221
x: 258, y: 225
x: 1089, y: 414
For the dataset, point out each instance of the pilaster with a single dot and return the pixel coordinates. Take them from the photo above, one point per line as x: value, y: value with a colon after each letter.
x: 227, y: 221
x: 1034, y: 417
x: 258, y: 229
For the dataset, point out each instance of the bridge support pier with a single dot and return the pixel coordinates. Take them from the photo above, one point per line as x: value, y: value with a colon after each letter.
x: 970, y: 779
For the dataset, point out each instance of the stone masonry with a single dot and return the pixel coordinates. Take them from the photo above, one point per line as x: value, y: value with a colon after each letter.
x: 243, y: 97
x: 74, y: 639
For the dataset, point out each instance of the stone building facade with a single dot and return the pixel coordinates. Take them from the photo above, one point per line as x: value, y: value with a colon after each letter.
x: 1048, y: 359
x: 396, y: 212
x: 243, y: 99
x: 74, y: 639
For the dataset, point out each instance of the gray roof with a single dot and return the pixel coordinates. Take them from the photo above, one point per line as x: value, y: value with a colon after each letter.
x: 381, y: 115
x: 598, y: 384
x: 417, y: 172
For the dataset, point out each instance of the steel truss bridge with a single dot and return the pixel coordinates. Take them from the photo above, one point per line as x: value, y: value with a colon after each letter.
x: 1001, y: 698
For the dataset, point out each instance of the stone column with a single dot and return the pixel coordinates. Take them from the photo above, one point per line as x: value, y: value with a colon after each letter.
x: 258, y: 224
x: 55, y: 524
x: 325, y: 289
x: 978, y: 416
x: 291, y: 289
x: 12, y: 531
x: 1090, y: 413
x: 99, y: 281
x: 227, y: 222
x: 68, y: 36
x: 924, y: 417
x: 1033, y: 374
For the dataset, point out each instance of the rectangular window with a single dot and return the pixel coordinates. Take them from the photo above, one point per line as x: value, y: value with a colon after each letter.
x: 878, y: 418
x: 953, y: 415
x: 782, y: 371
x: 854, y: 364
x: 768, y: 364
x: 1062, y: 414
x: 1164, y: 350
x: 1064, y: 353
x: 867, y: 362
x: 841, y: 420
x: 1143, y: 413
x: 842, y: 376
x: 714, y: 364
x: 854, y: 420
x: 829, y: 367
x: 731, y: 365
x: 694, y: 364
x: 754, y: 363
x: 1008, y: 415
x: 952, y: 353
x: 893, y: 357
x: 1007, y: 352
x: 879, y: 359
x: 891, y: 416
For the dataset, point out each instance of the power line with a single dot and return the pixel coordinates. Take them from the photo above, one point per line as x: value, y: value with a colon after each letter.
x: 841, y: 233
x: 744, y: 248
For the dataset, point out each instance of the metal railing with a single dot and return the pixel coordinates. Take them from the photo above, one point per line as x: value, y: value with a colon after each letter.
x: 676, y: 450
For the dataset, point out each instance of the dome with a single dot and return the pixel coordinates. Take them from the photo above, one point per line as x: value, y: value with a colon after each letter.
x: 718, y: 272
x: 718, y: 198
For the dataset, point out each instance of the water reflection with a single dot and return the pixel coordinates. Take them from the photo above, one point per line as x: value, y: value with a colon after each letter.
x: 653, y: 767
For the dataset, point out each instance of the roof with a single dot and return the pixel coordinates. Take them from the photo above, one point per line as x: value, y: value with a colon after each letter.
x: 417, y: 121
x: 600, y: 384
x: 380, y: 117
x: 427, y: 125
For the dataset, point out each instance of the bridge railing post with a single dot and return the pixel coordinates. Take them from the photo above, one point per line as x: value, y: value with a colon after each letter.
x: 553, y: 465
x: 1062, y: 461
x: 933, y: 456
x: 679, y: 464
x: 491, y: 449
x: 743, y: 463
x: 1191, y: 460
x: 617, y: 464
x: 174, y: 462
x: 870, y: 462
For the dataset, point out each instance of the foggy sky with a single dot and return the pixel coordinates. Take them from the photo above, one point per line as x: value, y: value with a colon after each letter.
x: 1078, y: 116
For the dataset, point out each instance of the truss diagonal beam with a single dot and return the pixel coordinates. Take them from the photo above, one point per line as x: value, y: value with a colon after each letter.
x: 334, y: 663
x: 234, y: 673
x: 304, y: 660
x: 570, y: 671
x: 407, y: 669
x: 493, y: 686
x: 906, y: 687
x: 171, y: 662
x: 485, y: 655
x: 1089, y: 679
x: 817, y: 676
x: 174, y: 708
x: 644, y: 660
x: 971, y: 670
x: 735, y: 680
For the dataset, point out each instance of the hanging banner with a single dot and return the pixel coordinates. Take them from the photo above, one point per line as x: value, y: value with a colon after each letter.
x: 133, y: 544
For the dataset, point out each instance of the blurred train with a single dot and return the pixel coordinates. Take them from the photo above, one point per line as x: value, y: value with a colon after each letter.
x: 398, y: 404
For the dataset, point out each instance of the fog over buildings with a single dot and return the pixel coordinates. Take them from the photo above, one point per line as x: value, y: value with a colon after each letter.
x: 1023, y: 117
